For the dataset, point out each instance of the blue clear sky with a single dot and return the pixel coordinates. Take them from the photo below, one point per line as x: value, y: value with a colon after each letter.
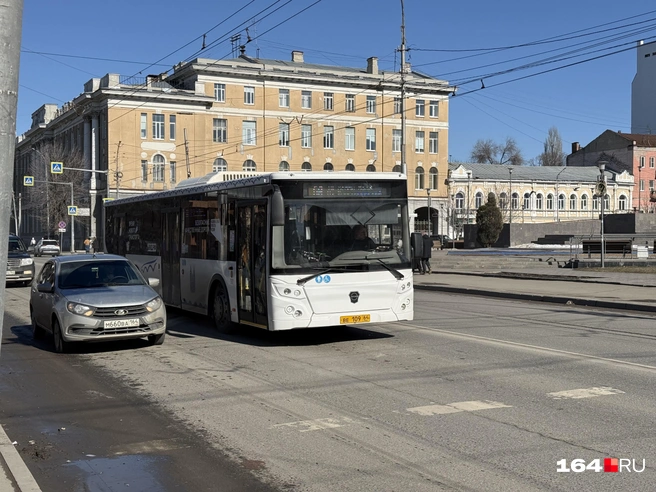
x: 581, y: 101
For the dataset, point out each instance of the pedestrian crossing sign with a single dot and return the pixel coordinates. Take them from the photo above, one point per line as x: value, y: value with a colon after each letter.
x: 28, y: 180
x: 56, y: 167
x: 72, y: 210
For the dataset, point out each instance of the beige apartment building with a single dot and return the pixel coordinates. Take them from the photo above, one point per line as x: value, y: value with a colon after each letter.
x: 245, y: 114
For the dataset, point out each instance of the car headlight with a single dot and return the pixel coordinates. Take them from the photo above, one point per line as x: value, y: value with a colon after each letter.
x: 154, y: 305
x: 26, y: 261
x: 80, y: 309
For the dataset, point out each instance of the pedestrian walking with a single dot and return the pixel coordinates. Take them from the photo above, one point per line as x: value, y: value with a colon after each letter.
x: 426, y: 253
x: 87, y: 245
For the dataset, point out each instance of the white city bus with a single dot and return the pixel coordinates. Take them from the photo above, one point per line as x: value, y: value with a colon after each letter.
x: 275, y: 251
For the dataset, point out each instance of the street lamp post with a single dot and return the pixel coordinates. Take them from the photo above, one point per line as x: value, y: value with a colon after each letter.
x: 602, y: 189
x: 429, y: 211
x: 469, y: 175
x: 510, y: 207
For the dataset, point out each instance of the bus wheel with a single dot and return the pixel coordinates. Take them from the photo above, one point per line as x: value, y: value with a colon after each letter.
x: 221, y: 310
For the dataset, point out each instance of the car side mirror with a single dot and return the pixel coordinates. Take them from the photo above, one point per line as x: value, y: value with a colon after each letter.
x: 46, y: 287
x: 153, y: 282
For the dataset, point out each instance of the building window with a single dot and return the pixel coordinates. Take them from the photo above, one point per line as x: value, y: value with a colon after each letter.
x: 503, y: 200
x: 642, y: 185
x: 349, y: 138
x: 306, y: 99
x: 460, y: 200
x: 328, y: 101
x: 432, y: 142
x: 349, y: 167
x: 515, y: 201
x: 327, y: 166
x: 219, y: 130
x: 371, y: 168
x: 371, y: 139
x: 572, y: 202
x: 284, y: 166
x: 561, y: 202
x: 306, y: 166
x: 538, y: 201
x: 144, y: 125
x: 642, y: 161
x: 622, y: 202
x: 306, y: 136
x: 397, y: 105
x: 328, y: 137
x: 584, y: 202
x: 651, y: 162
x: 283, y: 134
x: 595, y: 202
x: 158, y: 126
x: 158, y: 168
x: 219, y: 165
x: 249, y: 165
x: 478, y: 199
x: 283, y: 98
x: 144, y: 171
x: 419, y: 142
x: 434, y: 109
x: 550, y: 202
x: 249, y: 95
x: 607, y: 203
x: 432, y: 177
x: 172, y: 166
x: 396, y: 140
x: 248, y: 136
x: 651, y: 184
x: 371, y: 104
x: 172, y: 127
x: 419, y: 178
x: 219, y: 92
x: 420, y: 108
x: 350, y: 103
x: 527, y: 201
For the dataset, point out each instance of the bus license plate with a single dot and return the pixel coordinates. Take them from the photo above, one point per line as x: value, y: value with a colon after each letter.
x: 356, y: 318
x: 121, y: 323
x: 10, y: 272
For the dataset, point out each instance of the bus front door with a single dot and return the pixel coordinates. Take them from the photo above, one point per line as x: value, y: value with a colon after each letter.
x: 252, y: 264
x: 171, y: 257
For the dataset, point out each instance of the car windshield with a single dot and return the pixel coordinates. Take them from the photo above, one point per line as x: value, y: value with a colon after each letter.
x: 92, y: 274
x: 16, y: 245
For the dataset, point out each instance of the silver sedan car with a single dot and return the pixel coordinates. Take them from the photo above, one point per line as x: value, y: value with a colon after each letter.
x: 95, y: 297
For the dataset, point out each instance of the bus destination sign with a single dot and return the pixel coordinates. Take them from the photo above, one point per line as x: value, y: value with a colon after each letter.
x: 343, y: 190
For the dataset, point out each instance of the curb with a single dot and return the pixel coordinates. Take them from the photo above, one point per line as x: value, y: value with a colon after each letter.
x: 539, y: 298
x: 13, y: 470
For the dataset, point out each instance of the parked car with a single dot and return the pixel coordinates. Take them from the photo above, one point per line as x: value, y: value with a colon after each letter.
x: 47, y: 247
x: 20, y: 266
x: 88, y: 298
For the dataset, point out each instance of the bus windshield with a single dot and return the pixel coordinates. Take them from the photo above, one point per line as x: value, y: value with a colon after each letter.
x: 342, y: 233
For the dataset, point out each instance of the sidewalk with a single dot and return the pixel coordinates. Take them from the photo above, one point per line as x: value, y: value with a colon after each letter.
x: 14, y: 474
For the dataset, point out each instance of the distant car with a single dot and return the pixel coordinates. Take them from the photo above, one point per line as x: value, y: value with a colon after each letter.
x: 47, y: 247
x: 88, y: 298
x: 20, y: 266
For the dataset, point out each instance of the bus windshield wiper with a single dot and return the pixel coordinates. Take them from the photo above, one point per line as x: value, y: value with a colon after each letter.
x: 393, y: 271
x: 302, y: 281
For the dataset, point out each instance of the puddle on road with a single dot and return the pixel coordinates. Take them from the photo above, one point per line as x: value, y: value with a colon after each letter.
x: 127, y: 472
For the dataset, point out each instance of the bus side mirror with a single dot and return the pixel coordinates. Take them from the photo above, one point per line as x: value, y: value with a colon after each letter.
x: 277, y: 207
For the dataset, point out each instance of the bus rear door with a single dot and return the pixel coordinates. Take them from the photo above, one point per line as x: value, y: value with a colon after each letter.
x: 171, y: 256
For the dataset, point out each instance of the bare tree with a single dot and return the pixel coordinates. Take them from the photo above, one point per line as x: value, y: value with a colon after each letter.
x: 490, y: 152
x: 553, y: 154
x: 51, y: 195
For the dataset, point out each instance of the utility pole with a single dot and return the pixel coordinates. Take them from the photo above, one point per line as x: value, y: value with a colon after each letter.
x: 403, y: 71
x: 11, y: 22
x: 187, y: 153
x: 117, y: 174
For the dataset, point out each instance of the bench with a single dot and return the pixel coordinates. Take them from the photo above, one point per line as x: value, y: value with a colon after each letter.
x: 612, y: 246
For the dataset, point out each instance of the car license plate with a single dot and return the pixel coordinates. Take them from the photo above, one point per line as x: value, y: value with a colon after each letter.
x: 121, y: 323
x: 356, y: 318
x: 11, y: 272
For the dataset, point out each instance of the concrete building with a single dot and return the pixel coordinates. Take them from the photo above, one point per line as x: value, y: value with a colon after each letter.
x: 643, y: 90
x: 629, y: 152
x: 533, y: 194
x: 245, y: 114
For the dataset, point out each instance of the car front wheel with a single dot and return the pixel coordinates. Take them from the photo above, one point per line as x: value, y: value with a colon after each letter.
x: 61, y: 345
x: 156, y: 339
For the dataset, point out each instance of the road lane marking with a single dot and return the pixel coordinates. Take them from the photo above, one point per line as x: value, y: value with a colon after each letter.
x: 585, y: 393
x: 461, y: 406
x: 316, y: 424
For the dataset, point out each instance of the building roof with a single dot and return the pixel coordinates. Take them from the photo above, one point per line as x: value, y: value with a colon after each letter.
x: 641, y: 140
x: 497, y: 172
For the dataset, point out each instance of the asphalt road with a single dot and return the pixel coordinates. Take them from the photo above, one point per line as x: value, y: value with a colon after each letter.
x: 475, y: 394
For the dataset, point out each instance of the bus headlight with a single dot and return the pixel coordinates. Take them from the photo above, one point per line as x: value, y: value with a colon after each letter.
x: 404, y: 287
x: 295, y: 293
